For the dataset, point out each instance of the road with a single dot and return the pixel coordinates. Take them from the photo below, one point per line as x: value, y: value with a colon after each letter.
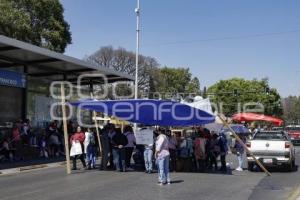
x: 281, y: 185
x: 53, y: 183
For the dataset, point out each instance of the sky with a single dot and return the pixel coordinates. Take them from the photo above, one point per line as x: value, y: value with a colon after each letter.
x: 216, y: 39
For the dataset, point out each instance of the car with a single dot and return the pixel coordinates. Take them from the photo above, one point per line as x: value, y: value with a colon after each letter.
x: 294, y: 133
x: 272, y: 148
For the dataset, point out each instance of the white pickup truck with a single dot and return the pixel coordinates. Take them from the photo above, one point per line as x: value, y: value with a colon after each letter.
x: 272, y: 148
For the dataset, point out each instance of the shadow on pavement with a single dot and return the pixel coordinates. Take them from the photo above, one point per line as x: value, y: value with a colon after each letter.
x: 177, y: 181
x: 276, y: 169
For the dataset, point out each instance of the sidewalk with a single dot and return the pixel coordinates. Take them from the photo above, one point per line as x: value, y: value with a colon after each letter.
x: 14, y: 167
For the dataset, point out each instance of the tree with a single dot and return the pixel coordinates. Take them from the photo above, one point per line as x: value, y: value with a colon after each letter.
x: 233, y: 91
x: 174, y: 80
x: 152, y: 79
x: 39, y: 22
x: 194, y: 86
x: 204, y: 94
x: 170, y: 81
x: 291, y: 109
x: 124, y: 61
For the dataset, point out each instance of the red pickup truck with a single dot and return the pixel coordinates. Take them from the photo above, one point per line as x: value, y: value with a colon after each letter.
x: 294, y: 133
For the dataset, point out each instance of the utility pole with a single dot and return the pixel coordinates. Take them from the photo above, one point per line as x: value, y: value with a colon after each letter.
x: 137, y: 11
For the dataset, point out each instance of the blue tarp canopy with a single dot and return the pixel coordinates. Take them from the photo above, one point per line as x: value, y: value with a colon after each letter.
x: 149, y: 111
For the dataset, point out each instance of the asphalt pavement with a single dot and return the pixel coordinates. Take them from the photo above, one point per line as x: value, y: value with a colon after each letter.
x: 53, y: 183
x: 281, y: 185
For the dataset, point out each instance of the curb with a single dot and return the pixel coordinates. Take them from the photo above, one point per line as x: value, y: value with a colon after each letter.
x: 29, y: 168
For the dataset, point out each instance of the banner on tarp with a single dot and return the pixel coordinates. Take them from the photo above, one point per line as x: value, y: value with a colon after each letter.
x: 149, y: 112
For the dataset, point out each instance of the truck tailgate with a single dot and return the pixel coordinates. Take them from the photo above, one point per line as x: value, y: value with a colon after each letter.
x: 267, y: 145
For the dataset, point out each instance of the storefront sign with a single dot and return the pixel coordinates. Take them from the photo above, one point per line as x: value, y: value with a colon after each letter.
x: 13, y: 79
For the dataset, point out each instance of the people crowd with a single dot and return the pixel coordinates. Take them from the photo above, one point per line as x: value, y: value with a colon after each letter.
x: 25, y: 142
x: 200, y: 151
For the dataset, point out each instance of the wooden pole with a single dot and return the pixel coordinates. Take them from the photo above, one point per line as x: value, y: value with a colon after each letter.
x: 245, y: 147
x: 66, y: 136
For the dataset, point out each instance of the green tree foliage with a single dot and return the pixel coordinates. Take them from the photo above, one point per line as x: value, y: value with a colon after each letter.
x: 194, y: 86
x: 291, y: 108
x: 39, y: 22
x: 247, y: 91
x: 177, y: 80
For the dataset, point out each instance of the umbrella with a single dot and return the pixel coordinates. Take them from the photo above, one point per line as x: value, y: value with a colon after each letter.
x: 149, y: 111
x: 256, y: 117
x: 238, y: 128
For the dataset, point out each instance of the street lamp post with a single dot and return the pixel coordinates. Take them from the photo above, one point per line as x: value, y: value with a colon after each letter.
x: 137, y: 11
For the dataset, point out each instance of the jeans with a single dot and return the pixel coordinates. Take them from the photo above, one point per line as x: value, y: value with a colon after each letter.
x: 119, y: 159
x: 163, y: 169
x: 32, y: 140
x: 240, y: 159
x: 90, y: 156
x: 148, y: 153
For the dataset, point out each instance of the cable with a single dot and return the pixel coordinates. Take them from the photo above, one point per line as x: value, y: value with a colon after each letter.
x: 230, y: 37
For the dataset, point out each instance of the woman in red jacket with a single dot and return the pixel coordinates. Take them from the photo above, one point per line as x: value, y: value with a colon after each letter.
x: 78, y: 137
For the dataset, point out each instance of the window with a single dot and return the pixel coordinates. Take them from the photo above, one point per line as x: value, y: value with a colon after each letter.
x: 270, y: 136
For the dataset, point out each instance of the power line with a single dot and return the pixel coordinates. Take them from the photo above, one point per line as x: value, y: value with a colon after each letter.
x: 230, y: 37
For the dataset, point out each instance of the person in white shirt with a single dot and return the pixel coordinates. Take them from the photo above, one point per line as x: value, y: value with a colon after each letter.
x: 162, y: 156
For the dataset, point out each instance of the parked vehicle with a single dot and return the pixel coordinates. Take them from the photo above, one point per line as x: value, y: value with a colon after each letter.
x: 277, y: 128
x: 294, y: 133
x: 272, y: 148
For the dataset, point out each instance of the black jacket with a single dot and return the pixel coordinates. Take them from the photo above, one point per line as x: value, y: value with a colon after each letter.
x: 119, y: 139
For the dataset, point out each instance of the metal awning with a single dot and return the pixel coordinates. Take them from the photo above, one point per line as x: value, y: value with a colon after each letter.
x: 49, y: 65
